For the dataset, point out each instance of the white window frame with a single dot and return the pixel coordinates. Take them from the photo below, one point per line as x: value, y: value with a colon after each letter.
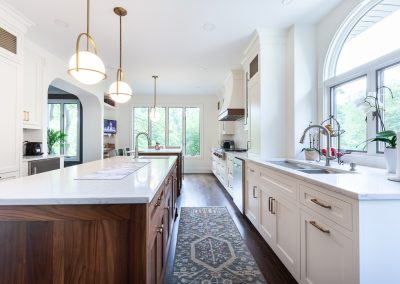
x: 370, y: 69
x: 167, y: 106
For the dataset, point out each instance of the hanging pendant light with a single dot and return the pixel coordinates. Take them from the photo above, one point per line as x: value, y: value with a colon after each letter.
x: 154, y: 114
x: 120, y: 91
x: 86, y: 66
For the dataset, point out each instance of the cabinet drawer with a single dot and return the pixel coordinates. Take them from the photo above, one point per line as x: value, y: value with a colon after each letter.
x: 156, y: 206
x: 8, y: 176
x: 281, y: 183
x: 337, y: 210
x: 252, y: 171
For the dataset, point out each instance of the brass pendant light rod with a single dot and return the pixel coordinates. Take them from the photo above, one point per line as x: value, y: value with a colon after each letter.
x: 121, y: 12
x: 87, y: 23
x: 155, y: 90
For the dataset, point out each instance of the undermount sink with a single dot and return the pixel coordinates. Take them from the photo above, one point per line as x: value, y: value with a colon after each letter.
x: 307, y: 168
x: 152, y: 157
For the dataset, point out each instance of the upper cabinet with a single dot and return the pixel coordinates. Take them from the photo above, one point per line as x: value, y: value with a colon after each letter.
x: 12, y: 29
x: 34, y: 93
x: 264, y: 64
x: 252, y: 98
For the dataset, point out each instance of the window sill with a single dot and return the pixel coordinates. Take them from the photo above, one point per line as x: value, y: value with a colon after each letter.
x: 363, y: 159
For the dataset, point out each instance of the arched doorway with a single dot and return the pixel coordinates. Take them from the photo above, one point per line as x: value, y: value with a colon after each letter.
x: 91, y: 119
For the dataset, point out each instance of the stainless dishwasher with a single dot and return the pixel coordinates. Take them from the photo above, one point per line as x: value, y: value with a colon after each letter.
x: 238, y: 183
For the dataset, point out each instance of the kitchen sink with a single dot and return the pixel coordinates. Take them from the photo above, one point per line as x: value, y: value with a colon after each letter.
x: 152, y: 157
x: 307, y: 168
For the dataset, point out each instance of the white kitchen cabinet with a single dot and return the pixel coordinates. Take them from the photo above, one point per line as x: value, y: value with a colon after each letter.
x: 33, y: 94
x: 327, y: 253
x: 254, y: 116
x: 279, y: 225
x: 10, y: 142
x: 252, y: 194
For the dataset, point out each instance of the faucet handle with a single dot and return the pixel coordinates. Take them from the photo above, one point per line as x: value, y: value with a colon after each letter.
x: 353, y: 166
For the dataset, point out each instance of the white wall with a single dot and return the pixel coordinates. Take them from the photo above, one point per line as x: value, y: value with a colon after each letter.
x: 91, y: 97
x: 209, y: 139
x: 301, y: 85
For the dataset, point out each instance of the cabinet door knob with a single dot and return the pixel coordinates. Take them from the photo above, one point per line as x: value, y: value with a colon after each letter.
x: 319, y: 227
x: 314, y: 200
x: 254, y: 191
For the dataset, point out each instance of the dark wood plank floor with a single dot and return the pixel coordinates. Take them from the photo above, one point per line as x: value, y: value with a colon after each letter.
x: 205, y: 190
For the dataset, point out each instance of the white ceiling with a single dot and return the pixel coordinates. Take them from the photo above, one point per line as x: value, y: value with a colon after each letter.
x: 166, y: 37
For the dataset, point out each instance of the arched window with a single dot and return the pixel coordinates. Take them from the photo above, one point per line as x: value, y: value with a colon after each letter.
x: 374, y: 35
x: 363, y: 62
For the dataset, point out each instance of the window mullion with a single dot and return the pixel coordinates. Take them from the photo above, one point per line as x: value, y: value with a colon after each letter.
x: 371, y: 121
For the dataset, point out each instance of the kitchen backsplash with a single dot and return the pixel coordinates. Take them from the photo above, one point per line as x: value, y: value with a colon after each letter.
x: 240, y: 136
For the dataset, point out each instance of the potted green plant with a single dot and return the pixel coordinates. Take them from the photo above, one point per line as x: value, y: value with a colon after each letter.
x: 311, y: 154
x: 386, y: 136
x: 54, y: 137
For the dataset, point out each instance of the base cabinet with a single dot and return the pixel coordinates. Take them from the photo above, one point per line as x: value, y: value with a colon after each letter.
x: 327, y: 254
x: 252, y: 195
x: 301, y: 224
x: 279, y: 225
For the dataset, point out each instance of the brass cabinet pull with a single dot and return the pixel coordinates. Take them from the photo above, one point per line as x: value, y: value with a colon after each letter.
x: 319, y: 227
x: 273, y: 206
x: 159, y: 200
x: 314, y: 200
x: 254, y: 191
x: 160, y: 229
x: 251, y: 170
x: 269, y: 203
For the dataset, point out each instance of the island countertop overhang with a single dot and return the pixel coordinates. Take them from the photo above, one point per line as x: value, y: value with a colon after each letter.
x: 61, y: 187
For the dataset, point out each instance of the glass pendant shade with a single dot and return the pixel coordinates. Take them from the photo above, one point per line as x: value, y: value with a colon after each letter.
x: 154, y: 114
x: 120, y: 92
x: 90, y: 69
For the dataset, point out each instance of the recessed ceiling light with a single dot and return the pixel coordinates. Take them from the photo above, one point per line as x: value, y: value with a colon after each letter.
x: 61, y: 23
x: 287, y: 2
x: 209, y: 27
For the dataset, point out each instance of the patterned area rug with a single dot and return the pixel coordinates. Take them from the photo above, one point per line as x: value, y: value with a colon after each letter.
x: 210, y: 249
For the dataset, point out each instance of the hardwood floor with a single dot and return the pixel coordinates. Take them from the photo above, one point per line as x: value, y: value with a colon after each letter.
x: 205, y: 190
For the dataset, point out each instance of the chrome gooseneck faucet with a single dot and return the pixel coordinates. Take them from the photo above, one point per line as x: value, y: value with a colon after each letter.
x: 328, y: 140
x: 137, y: 142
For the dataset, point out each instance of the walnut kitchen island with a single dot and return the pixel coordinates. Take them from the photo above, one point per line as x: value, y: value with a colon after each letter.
x: 55, y: 228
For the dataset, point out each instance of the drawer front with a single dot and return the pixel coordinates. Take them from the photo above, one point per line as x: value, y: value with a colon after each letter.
x: 156, y: 205
x: 252, y: 171
x: 8, y: 176
x: 337, y: 210
x: 281, y: 183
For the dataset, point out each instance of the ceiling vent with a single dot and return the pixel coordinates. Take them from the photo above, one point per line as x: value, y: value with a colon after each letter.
x: 8, y: 41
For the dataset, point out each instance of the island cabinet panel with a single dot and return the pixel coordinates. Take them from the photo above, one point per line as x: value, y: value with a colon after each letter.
x: 121, y: 243
x: 179, y: 165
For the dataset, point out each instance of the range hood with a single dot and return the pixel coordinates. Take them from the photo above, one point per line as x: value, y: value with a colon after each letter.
x: 233, y: 97
x: 231, y: 114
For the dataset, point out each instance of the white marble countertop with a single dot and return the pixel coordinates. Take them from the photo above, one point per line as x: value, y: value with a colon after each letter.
x: 365, y: 184
x: 42, y: 157
x: 61, y: 187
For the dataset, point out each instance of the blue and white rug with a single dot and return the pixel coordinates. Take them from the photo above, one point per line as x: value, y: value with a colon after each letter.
x: 210, y: 249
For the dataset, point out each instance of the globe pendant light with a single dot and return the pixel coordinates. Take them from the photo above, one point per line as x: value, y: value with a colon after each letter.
x: 154, y: 114
x: 120, y: 91
x: 86, y: 66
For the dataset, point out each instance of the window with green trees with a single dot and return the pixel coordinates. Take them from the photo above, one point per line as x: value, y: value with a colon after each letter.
x: 177, y: 126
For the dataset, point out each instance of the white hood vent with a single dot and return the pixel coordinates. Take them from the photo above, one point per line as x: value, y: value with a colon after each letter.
x: 233, y: 102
